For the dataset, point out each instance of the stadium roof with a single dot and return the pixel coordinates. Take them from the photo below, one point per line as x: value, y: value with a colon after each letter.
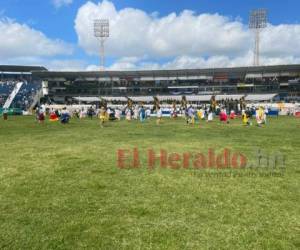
x: 88, y: 99
x: 169, y: 97
x: 238, y: 72
x: 15, y: 68
x: 190, y: 98
x: 198, y: 98
x: 98, y: 99
x: 115, y: 98
x: 141, y: 98
x: 223, y: 97
x: 260, y: 97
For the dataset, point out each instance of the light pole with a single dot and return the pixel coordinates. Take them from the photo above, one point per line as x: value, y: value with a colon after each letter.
x: 257, y: 22
x: 101, y: 32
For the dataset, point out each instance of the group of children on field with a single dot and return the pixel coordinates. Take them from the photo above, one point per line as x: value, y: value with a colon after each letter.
x: 208, y: 115
x: 260, y: 116
x: 141, y: 113
x: 55, y: 115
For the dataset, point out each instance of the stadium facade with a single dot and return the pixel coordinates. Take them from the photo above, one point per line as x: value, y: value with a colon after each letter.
x: 66, y: 87
x: 18, y: 86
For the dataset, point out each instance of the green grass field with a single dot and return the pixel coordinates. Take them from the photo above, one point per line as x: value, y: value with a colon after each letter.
x: 60, y: 187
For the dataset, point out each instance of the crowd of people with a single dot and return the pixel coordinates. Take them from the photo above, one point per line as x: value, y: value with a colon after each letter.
x: 24, y: 97
x: 54, y: 115
x: 208, y: 114
x: 6, y: 87
x: 142, y: 113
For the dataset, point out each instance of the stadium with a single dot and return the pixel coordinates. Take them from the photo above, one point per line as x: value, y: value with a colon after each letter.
x: 25, y: 87
x: 148, y: 158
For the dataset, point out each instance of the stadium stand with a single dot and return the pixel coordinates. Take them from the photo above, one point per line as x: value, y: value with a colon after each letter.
x: 196, y: 84
x: 17, y: 86
x: 228, y: 85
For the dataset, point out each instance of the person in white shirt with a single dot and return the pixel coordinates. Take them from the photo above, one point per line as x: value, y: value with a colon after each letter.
x: 210, y: 116
x: 136, y: 112
x: 259, y: 114
x: 118, y: 114
x: 159, y: 116
x: 128, y: 114
x: 82, y: 114
x: 202, y: 113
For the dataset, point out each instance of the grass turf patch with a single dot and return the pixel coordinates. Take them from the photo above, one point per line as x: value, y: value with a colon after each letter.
x: 60, y: 187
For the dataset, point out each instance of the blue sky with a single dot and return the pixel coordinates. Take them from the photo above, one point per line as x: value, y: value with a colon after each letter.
x: 58, y: 23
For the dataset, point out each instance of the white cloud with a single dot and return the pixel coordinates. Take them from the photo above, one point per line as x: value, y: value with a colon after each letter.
x: 281, y: 41
x: 193, y: 62
x: 55, y: 64
x: 224, y: 61
x: 19, y: 40
x: 136, y: 33
x: 92, y: 68
x: 60, y: 3
x: 142, y: 40
x: 187, y: 40
x: 65, y: 65
x: 126, y: 63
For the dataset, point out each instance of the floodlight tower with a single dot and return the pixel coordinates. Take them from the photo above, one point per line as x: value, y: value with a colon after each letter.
x: 101, y: 32
x: 257, y: 22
